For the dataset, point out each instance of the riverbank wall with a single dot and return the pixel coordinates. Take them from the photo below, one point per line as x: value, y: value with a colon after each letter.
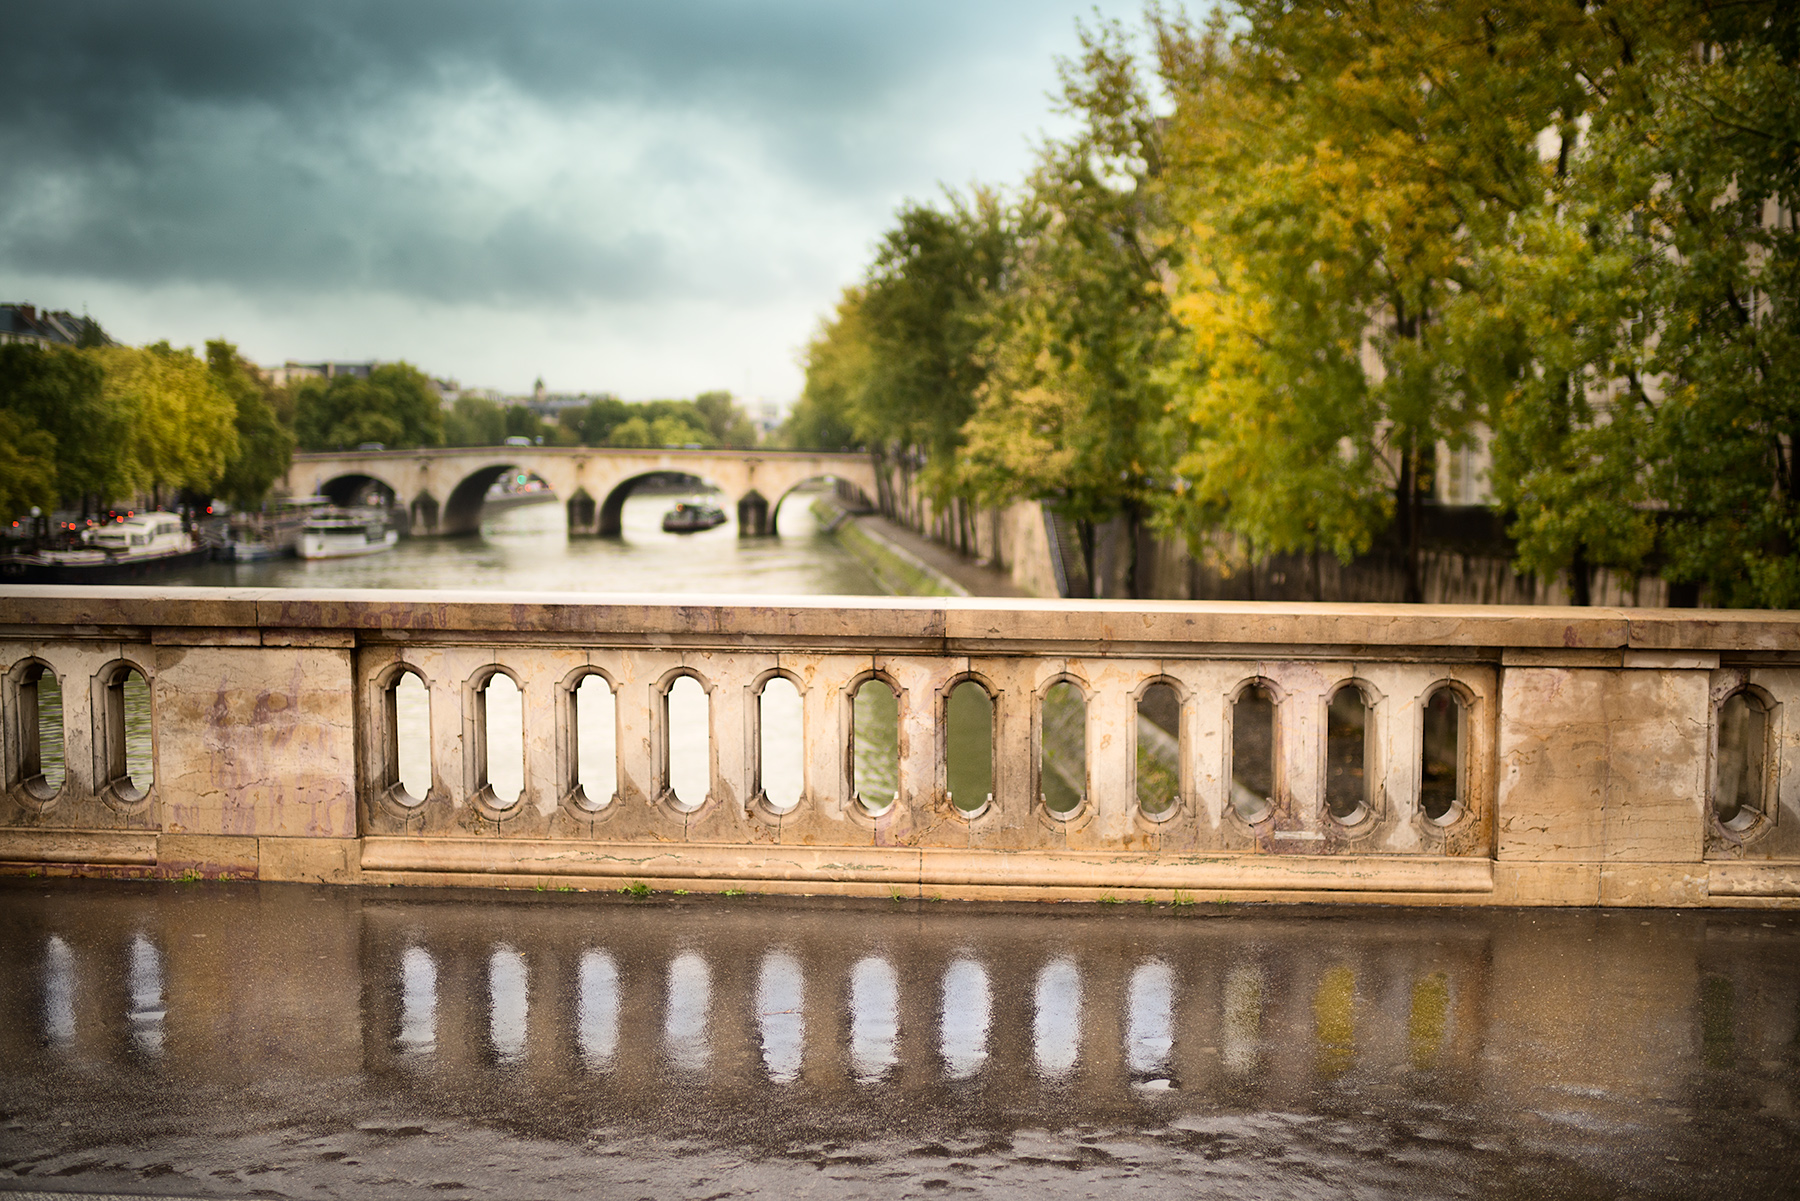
x: 1466, y: 559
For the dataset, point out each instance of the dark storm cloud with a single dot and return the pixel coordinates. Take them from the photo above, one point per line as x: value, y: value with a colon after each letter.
x: 315, y: 145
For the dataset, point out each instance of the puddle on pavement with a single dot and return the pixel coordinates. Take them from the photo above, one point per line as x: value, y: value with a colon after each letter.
x: 1578, y: 1052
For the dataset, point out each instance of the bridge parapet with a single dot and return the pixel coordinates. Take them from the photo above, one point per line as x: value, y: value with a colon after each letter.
x: 1063, y: 749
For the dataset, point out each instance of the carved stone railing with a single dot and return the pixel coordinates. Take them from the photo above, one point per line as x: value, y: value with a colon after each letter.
x: 1424, y: 754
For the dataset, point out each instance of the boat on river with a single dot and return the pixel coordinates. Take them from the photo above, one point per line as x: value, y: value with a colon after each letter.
x: 270, y: 534
x: 345, y: 533
x: 130, y: 548
x: 689, y: 517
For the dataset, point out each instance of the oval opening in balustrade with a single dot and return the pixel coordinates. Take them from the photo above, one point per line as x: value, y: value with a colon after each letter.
x: 1253, y: 753
x: 969, y: 747
x: 1442, y: 756
x: 1158, y: 750
x: 503, y: 729
x: 596, y: 741
x: 1739, y: 771
x: 40, y: 715
x: 688, y: 722
x: 780, y: 746
x: 1062, y: 760
x: 1346, y: 756
x: 409, y: 737
x: 130, y: 750
x: 875, y: 746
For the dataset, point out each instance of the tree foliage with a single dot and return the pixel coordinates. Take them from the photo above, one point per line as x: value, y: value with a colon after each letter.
x: 395, y: 406
x: 1070, y: 406
x: 183, y: 424
x: 1254, y: 294
x: 265, y: 447
x: 62, y: 394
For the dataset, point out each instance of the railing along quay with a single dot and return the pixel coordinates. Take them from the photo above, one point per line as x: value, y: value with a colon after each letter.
x: 955, y: 748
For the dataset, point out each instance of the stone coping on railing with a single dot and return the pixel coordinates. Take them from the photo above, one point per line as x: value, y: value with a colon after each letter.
x: 908, y: 624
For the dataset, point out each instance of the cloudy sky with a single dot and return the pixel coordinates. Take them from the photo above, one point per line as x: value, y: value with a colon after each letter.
x: 651, y: 198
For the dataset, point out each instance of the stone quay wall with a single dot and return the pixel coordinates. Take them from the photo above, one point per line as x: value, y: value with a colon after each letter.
x: 1515, y: 756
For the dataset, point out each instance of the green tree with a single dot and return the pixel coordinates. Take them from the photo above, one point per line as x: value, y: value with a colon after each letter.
x: 1073, y: 401
x: 265, y: 448
x: 475, y: 421
x: 837, y: 369
x: 728, y: 424
x: 521, y: 422
x: 183, y: 424
x: 62, y: 393
x: 27, y: 466
x: 593, y: 423
x: 395, y: 406
x: 1346, y: 175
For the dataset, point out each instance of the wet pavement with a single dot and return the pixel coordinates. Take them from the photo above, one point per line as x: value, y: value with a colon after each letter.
x: 244, y: 1040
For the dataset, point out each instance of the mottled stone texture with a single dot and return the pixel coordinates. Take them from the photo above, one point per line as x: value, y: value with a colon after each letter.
x: 267, y: 743
x: 1603, y: 766
x: 1588, y: 754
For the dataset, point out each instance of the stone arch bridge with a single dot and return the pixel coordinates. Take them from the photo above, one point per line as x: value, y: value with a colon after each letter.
x: 442, y: 488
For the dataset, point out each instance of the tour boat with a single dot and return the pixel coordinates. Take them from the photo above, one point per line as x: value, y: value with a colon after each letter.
x: 270, y: 534
x: 691, y: 516
x: 130, y: 548
x: 343, y: 533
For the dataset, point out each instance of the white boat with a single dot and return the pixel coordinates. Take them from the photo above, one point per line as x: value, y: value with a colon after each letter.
x: 129, y: 548
x: 343, y: 533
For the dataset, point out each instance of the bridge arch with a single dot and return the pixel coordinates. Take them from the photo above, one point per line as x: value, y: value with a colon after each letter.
x: 612, y: 509
x: 356, y: 488
x: 462, y: 509
x: 857, y: 497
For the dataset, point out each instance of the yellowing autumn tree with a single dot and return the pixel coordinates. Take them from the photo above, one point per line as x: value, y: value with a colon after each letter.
x: 183, y: 426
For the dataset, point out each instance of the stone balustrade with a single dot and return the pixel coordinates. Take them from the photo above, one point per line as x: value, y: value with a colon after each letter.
x: 1416, y: 754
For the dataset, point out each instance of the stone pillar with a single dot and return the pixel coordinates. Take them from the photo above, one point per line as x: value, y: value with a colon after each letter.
x: 753, y: 515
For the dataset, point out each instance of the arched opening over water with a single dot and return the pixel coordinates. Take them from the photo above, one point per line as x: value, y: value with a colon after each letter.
x: 969, y: 746
x: 358, y: 490
x: 844, y: 494
x: 128, y: 732
x: 1443, y: 755
x: 677, y: 486
x: 37, y: 709
x: 1253, y: 742
x: 490, y: 490
x: 407, y: 732
x: 1062, y: 748
x: 875, y: 745
x: 1348, y: 726
x: 1740, y: 762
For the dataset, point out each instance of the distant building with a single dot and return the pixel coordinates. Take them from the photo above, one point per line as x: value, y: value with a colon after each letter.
x: 766, y: 415
x: 23, y: 323
x: 292, y: 372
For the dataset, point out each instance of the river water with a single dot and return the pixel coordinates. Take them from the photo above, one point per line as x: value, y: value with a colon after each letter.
x: 528, y: 549
x: 217, y: 1039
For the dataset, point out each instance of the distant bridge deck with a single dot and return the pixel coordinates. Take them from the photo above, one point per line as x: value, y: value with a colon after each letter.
x: 1425, y: 754
x: 442, y: 488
